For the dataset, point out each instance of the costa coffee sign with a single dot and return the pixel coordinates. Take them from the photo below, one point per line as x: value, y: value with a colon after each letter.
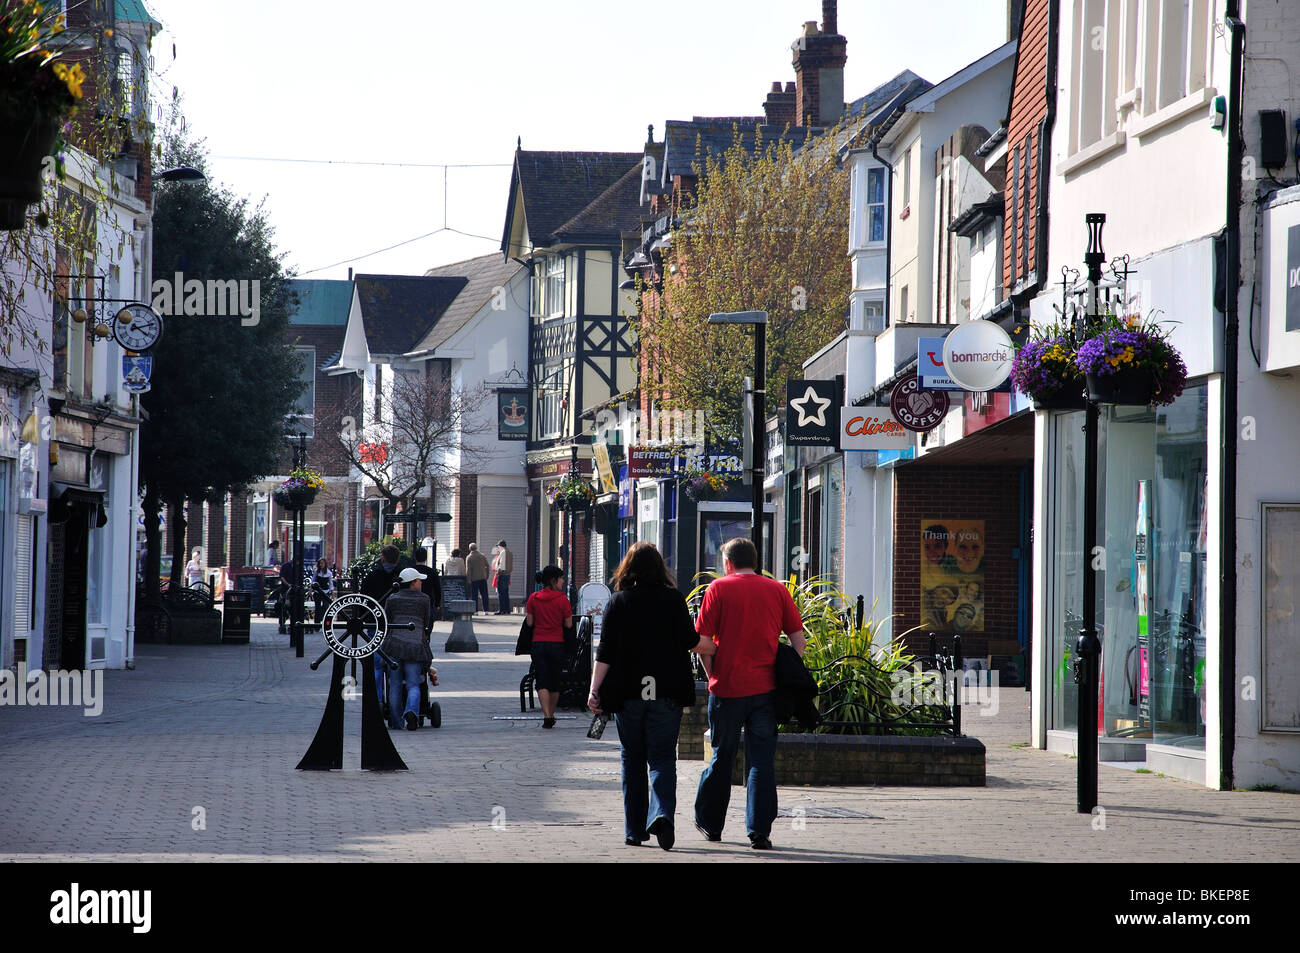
x: 916, y: 409
x: 977, y: 355
x: 872, y: 428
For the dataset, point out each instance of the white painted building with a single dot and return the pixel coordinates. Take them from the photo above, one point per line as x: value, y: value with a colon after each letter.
x: 1137, y: 138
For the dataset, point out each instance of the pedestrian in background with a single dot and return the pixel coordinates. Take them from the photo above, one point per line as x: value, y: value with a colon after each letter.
x: 322, y: 584
x: 745, y: 614
x: 477, y: 569
x: 408, y: 647
x: 430, y: 586
x: 378, y: 585
x: 193, y: 571
x: 644, y: 678
x: 455, y: 564
x: 503, y: 565
x: 549, y: 612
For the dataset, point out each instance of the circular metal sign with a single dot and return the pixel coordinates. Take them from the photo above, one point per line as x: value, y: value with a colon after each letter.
x: 355, y: 616
x: 916, y: 409
x: 977, y: 355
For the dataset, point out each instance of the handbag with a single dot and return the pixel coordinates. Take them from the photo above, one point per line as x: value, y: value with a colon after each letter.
x: 525, y: 644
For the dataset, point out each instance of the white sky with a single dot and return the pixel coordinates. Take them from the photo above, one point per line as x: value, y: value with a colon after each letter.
x: 456, y: 82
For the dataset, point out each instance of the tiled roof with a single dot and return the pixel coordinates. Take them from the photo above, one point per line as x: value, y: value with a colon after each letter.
x: 885, y: 97
x: 557, y: 186
x: 399, y: 310
x: 613, y: 212
x: 686, y: 144
x: 483, y: 276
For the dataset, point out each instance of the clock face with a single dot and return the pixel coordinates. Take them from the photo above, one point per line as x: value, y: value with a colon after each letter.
x: 137, y: 327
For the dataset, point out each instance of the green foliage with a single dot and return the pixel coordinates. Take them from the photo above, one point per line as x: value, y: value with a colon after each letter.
x: 368, y: 558
x: 767, y: 231
x: 863, y: 677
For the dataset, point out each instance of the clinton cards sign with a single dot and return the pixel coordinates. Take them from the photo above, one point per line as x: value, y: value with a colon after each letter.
x: 872, y: 428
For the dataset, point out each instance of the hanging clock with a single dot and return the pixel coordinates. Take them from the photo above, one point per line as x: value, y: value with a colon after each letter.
x: 137, y: 327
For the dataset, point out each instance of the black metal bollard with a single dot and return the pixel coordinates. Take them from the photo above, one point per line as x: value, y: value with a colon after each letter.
x: 957, y: 668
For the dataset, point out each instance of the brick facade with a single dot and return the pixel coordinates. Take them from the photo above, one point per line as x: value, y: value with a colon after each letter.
x: 960, y: 493
x: 237, y: 532
x: 1028, y: 109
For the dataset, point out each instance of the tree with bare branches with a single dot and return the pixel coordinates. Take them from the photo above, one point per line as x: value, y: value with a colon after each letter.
x: 420, y: 428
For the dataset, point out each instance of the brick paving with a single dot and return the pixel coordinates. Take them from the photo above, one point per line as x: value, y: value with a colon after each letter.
x: 221, y: 727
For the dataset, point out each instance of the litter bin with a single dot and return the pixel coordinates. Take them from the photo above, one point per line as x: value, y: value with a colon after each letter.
x: 236, y: 617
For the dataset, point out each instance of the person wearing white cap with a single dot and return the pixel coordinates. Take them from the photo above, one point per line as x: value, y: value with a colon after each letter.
x: 409, y: 647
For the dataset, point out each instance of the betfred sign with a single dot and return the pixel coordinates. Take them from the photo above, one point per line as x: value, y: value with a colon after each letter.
x: 872, y: 428
x: 977, y: 355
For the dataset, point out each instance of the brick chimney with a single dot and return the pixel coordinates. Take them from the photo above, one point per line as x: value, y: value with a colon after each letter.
x: 819, y: 58
x: 779, y: 107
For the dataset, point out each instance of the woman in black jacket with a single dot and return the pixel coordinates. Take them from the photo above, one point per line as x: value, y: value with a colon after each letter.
x: 643, y: 676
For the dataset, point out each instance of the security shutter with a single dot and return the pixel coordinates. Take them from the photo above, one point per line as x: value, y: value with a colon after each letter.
x: 23, y: 582
x: 501, y: 514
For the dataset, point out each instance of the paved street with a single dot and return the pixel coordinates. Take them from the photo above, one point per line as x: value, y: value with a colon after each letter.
x: 220, y: 728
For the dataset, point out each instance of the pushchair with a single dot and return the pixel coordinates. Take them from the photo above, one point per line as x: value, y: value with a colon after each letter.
x: 430, y: 710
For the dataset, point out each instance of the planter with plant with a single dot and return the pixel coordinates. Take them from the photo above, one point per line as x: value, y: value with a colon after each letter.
x: 701, y: 486
x: 1045, y: 370
x: 37, y: 94
x: 299, y: 491
x: 572, y: 492
x: 1129, y: 360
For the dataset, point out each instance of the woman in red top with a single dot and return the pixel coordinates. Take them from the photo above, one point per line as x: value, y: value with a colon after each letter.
x: 549, y: 613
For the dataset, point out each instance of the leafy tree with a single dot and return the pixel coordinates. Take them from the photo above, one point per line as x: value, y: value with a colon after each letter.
x: 767, y: 230
x: 221, y: 386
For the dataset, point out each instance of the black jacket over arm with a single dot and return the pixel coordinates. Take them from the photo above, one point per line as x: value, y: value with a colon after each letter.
x: 647, y: 633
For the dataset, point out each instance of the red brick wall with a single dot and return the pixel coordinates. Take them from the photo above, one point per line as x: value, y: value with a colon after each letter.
x: 990, y: 494
x: 237, y: 532
x: 1028, y: 107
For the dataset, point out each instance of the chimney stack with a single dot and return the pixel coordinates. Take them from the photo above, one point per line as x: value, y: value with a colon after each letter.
x: 819, y: 59
x: 779, y: 107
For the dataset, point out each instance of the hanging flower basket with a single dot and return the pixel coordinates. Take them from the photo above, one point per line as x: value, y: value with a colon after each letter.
x: 702, y: 487
x: 37, y: 93
x: 1130, y: 361
x: 1045, y: 369
x: 299, y: 491
x: 1071, y: 399
x: 1130, y: 387
x: 572, y: 492
x: 297, y: 498
x: 28, y: 141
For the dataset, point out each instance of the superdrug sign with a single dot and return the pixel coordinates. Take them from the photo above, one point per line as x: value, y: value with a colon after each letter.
x: 917, y: 409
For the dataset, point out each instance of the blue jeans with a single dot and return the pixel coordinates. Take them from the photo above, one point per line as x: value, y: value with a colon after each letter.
x: 647, y: 734
x: 479, y: 587
x: 399, y: 701
x: 726, y: 717
x: 503, y: 592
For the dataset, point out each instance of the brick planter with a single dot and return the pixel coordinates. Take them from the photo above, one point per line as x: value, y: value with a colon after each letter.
x: 695, y: 722
x: 851, y: 760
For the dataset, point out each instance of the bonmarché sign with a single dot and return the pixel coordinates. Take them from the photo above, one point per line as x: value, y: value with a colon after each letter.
x: 977, y: 355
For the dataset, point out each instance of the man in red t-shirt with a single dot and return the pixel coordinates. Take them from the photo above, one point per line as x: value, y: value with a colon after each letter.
x: 745, y: 614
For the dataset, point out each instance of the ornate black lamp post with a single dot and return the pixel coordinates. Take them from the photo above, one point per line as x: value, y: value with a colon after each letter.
x: 1087, y: 656
x: 299, y: 546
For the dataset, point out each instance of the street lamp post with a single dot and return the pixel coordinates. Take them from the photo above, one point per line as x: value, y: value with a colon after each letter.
x: 1088, y: 647
x: 759, y: 320
x: 299, y: 545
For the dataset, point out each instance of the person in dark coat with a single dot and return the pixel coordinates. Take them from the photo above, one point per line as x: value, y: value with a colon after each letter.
x: 430, y: 586
x: 644, y: 677
x: 378, y: 584
x: 409, y: 647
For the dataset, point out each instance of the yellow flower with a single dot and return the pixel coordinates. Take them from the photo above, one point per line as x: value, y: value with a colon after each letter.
x: 72, y: 75
x: 108, y: 32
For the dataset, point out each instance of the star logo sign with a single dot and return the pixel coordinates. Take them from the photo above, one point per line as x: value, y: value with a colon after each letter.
x: 815, y: 418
